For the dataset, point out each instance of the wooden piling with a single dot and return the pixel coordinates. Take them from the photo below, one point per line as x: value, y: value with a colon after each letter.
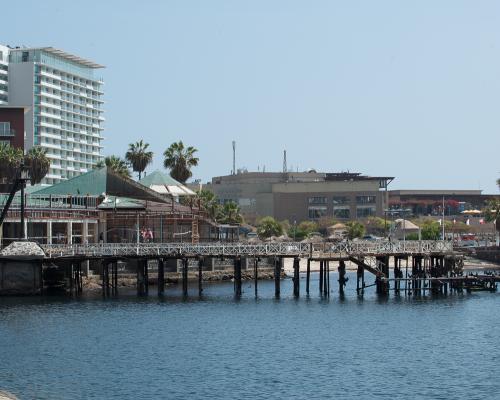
x: 342, y: 278
x: 200, y: 276
x: 237, y: 276
x: 255, y: 273
x: 185, y: 263
x: 277, y: 276
x: 321, y: 277
x: 161, y: 277
x: 296, y: 277
x: 326, y: 280
x: 308, y: 275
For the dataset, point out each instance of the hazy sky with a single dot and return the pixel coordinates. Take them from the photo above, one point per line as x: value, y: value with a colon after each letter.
x: 409, y: 89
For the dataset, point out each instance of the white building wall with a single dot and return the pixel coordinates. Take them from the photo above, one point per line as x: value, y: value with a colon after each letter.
x: 4, y: 74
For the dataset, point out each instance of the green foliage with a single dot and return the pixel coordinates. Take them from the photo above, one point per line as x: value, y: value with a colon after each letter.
x: 302, y: 230
x: 377, y: 225
x: 230, y: 214
x: 10, y: 161
x: 115, y: 164
x: 268, y: 227
x: 180, y: 160
x: 35, y: 160
x: 412, y: 236
x: 430, y: 230
x: 138, y: 156
x: 38, y: 164
x: 355, y: 230
x: 492, y: 212
x: 210, y: 204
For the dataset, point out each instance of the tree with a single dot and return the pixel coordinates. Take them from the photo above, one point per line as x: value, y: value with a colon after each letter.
x: 180, y: 160
x: 304, y: 229
x: 231, y: 213
x: 115, y: 164
x: 209, y: 203
x: 138, y: 156
x: 37, y: 163
x: 377, y: 225
x: 430, y: 230
x: 268, y: 227
x: 10, y: 161
x: 492, y: 212
x: 355, y: 229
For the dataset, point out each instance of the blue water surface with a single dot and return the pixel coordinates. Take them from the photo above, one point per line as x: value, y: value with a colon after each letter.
x: 217, y: 347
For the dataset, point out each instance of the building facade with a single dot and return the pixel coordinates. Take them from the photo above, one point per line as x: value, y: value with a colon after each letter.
x: 304, y: 195
x: 64, y: 100
x: 4, y: 75
x: 12, y: 125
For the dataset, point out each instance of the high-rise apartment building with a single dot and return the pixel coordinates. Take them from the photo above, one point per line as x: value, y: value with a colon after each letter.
x: 4, y: 74
x: 63, y: 98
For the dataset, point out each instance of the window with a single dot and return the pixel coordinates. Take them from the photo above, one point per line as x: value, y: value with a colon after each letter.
x: 5, y: 129
x: 342, y: 212
x: 365, y: 211
x: 366, y: 199
x: 340, y: 200
x: 318, y: 200
x: 316, y: 212
x: 25, y: 56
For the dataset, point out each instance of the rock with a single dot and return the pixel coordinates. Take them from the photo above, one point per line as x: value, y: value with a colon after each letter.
x: 23, y: 249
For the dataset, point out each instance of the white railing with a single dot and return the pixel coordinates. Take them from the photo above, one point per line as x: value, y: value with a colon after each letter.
x: 244, y: 249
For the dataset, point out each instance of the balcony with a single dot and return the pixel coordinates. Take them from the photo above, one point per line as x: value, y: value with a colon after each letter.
x: 7, y: 133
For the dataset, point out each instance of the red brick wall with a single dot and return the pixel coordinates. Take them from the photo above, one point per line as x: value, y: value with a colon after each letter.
x: 16, y: 118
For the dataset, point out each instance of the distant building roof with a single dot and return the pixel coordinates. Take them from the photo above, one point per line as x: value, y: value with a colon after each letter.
x: 63, y: 54
x: 165, y: 184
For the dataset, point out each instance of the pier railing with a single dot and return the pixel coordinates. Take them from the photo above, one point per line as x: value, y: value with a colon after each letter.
x: 282, y: 249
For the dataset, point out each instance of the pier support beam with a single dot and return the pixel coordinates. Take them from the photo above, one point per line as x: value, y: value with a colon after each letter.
x: 237, y: 276
x: 308, y: 275
x: 342, y: 278
x: 161, y: 277
x: 142, y: 277
x: 321, y: 267
x: 296, y: 277
x: 185, y: 263
x: 277, y: 276
x: 360, y: 281
x: 255, y: 273
x: 200, y: 276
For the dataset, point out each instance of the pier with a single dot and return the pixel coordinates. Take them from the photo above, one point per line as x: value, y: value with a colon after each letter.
x: 418, y: 267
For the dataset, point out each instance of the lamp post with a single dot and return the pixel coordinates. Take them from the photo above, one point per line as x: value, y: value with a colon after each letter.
x: 23, y: 178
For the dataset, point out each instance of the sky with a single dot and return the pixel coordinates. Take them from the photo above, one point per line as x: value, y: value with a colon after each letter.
x: 385, y: 88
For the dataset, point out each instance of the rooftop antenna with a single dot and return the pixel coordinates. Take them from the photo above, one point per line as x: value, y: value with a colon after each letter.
x: 234, y: 157
x: 284, y: 162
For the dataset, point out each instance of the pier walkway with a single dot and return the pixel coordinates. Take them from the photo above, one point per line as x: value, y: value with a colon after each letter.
x: 284, y: 249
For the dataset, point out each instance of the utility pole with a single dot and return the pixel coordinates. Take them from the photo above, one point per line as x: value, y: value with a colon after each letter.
x: 234, y: 157
x: 285, y: 169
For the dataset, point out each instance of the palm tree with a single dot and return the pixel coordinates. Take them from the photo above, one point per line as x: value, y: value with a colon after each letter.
x: 231, y: 213
x: 38, y: 164
x: 10, y: 161
x: 180, y: 160
x: 209, y: 203
x: 138, y: 156
x: 116, y: 164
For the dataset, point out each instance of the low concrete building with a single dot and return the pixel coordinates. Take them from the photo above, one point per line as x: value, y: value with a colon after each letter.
x: 303, y: 195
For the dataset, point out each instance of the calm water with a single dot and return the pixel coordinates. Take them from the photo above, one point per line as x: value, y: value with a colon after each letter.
x: 219, y: 348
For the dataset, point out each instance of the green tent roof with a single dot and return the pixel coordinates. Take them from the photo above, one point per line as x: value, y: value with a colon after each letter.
x: 103, y: 181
